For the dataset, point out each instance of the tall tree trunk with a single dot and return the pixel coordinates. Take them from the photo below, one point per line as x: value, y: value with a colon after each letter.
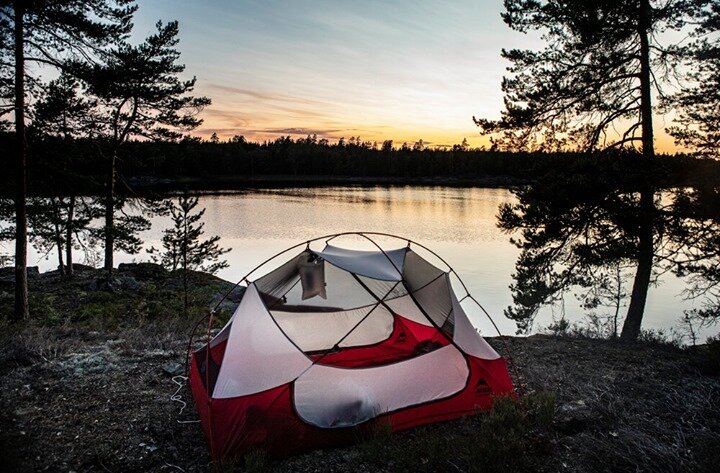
x: 70, y: 216
x: 110, y: 216
x: 21, y: 283
x: 185, y: 255
x: 636, y: 309
x: 58, y: 243
x: 69, y: 227
x: 58, y: 234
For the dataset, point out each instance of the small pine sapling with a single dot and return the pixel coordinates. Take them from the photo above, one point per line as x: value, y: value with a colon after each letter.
x: 183, y: 247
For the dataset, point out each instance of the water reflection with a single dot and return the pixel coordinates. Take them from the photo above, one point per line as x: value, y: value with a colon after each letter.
x: 432, y: 214
x: 583, y: 237
x: 460, y: 224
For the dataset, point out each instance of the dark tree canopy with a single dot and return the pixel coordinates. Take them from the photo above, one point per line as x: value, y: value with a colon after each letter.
x: 57, y: 33
x: 695, y: 230
x: 140, y: 91
x: 63, y: 111
x: 584, y: 89
x: 575, y: 230
x: 139, y: 95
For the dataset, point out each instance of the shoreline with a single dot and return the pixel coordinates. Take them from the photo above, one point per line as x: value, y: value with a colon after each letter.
x: 151, y: 185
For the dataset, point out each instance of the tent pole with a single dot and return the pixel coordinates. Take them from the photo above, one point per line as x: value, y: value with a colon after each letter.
x: 330, y: 237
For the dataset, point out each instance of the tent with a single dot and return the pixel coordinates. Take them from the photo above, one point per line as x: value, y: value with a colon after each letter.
x: 334, y: 341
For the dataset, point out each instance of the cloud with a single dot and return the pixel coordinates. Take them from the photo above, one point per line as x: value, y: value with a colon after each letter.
x: 299, y: 112
x: 232, y: 118
x: 219, y: 131
x: 265, y: 96
x: 298, y: 131
x: 237, y: 90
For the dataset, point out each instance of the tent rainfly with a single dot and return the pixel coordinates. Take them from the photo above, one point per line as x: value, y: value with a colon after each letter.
x: 335, y: 341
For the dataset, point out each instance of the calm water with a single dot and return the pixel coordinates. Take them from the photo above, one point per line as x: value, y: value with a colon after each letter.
x: 457, y: 223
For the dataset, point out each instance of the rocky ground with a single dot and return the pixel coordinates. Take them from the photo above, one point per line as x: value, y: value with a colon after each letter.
x: 96, y: 402
x: 86, y: 399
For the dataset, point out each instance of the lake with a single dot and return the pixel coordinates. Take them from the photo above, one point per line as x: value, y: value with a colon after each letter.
x: 457, y: 223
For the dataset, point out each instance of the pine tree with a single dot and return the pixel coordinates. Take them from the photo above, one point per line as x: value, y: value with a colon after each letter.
x: 184, y: 247
x: 141, y: 95
x: 63, y: 114
x: 591, y: 88
x: 696, y: 229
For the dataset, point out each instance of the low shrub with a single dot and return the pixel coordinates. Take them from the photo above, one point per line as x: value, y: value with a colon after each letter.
x: 376, y: 438
x: 660, y: 337
x: 559, y: 328
x: 29, y: 345
x: 43, y: 306
x: 540, y: 408
x: 710, y: 357
x: 500, y: 440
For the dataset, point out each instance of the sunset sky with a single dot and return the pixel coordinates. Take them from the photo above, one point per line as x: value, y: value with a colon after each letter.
x: 376, y: 69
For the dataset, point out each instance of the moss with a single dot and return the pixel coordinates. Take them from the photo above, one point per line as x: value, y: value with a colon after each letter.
x: 43, y: 306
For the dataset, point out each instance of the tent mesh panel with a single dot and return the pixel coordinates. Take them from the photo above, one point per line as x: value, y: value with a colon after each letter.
x: 318, y: 323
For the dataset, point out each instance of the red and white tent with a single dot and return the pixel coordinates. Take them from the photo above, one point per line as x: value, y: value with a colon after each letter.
x: 335, y: 340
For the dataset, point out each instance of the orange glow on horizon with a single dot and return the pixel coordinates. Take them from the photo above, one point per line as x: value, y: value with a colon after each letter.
x: 225, y: 125
x: 346, y: 69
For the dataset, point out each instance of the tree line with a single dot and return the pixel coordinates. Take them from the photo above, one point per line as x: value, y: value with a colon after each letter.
x: 63, y: 166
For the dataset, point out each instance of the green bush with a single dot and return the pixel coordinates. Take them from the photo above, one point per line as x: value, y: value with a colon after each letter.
x: 102, y: 315
x: 501, y: 437
x: 559, y: 328
x: 43, y: 306
x: 540, y: 408
x: 377, y: 439
x: 660, y: 337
